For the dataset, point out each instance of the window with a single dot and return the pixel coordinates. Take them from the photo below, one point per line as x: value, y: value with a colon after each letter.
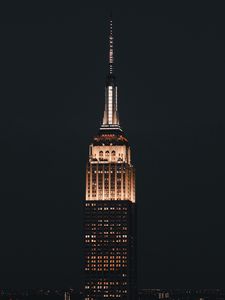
x: 107, y: 154
x: 100, y: 155
x: 113, y: 155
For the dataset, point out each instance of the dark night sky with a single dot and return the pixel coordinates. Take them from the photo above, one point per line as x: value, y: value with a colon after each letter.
x: 170, y: 66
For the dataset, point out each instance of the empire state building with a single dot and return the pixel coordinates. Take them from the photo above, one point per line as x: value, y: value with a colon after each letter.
x: 109, y: 206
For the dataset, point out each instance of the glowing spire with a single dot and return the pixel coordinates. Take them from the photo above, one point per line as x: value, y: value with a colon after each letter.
x: 111, y: 115
x: 111, y: 57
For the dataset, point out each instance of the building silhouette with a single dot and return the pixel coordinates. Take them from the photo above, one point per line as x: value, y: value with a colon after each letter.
x: 109, y: 206
x: 66, y: 296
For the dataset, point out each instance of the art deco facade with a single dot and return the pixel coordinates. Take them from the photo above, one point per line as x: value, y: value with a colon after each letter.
x: 109, y: 208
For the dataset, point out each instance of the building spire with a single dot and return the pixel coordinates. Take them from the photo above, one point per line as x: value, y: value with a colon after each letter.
x: 111, y: 115
x: 111, y: 56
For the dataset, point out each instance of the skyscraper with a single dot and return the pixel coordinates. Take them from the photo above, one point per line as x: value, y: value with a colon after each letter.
x: 109, y: 207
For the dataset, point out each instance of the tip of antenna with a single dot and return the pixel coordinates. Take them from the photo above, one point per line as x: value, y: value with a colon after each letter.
x: 110, y: 22
x: 111, y: 58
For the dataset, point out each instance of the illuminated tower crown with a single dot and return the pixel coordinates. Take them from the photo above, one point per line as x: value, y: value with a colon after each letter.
x: 110, y: 154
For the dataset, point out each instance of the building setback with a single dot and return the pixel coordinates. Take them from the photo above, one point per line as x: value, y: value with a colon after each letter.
x: 109, y: 206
